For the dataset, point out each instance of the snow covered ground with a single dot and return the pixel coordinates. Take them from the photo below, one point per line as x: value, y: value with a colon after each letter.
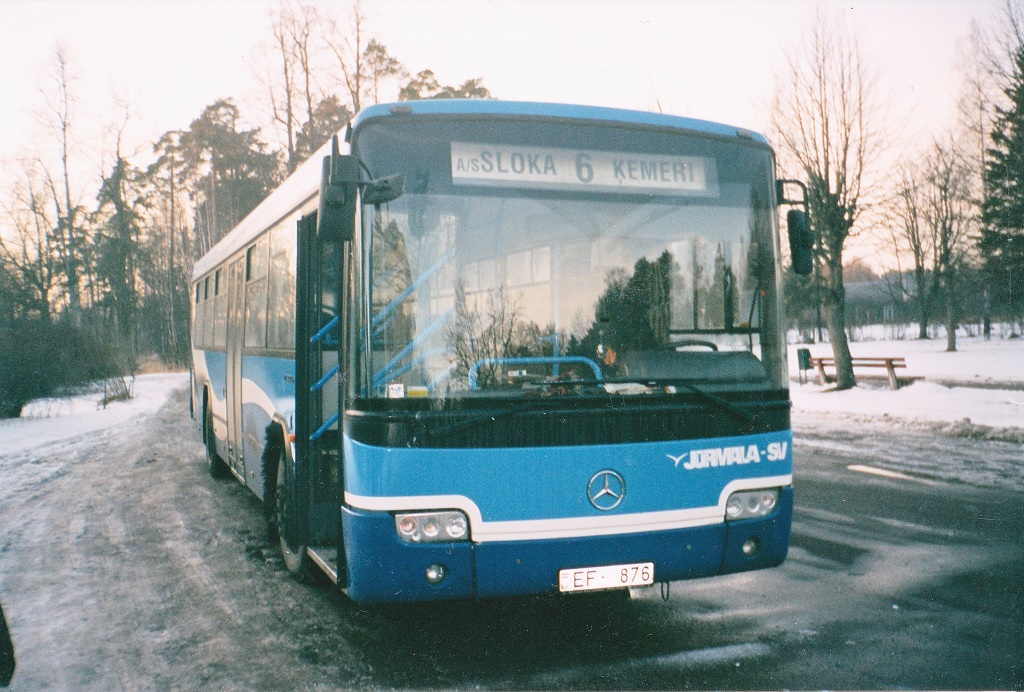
x: 981, y: 384
x: 51, y: 421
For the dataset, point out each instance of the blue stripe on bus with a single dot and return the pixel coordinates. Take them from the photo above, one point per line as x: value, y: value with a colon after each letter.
x: 275, y: 377
x: 534, y: 483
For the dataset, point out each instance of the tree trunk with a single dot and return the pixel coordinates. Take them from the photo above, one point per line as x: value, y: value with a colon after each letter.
x: 922, y: 305
x: 836, y: 314
x: 950, y: 315
x: 817, y: 301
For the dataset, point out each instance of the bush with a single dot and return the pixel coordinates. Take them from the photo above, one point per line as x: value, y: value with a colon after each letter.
x: 39, y: 358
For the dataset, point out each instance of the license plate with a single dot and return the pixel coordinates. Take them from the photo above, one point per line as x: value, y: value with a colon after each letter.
x: 607, y: 577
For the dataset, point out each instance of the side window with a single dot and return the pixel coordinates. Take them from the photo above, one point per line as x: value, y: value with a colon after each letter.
x: 281, y: 315
x: 197, y: 316
x: 256, y: 294
x: 220, y: 309
x: 208, y: 313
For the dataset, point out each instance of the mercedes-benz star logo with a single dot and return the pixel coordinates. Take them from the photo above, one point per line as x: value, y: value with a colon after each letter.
x: 606, y: 490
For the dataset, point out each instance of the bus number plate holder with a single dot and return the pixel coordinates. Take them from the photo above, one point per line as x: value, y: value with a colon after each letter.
x: 606, y: 577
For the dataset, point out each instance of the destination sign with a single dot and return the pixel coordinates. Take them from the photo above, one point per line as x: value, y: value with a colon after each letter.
x: 504, y: 165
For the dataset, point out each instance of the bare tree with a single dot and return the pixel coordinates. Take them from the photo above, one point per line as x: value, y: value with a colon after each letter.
x: 998, y: 42
x: 57, y: 117
x: 291, y: 84
x: 364, y: 64
x: 912, y: 237
x: 976, y: 103
x: 484, y: 333
x: 347, y: 48
x: 28, y: 257
x: 951, y: 214
x: 824, y: 114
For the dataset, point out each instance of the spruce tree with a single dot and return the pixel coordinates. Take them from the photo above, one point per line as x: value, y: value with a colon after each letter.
x: 1002, y: 235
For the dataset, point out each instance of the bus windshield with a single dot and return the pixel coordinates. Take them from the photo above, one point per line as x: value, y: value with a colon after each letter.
x: 548, y: 258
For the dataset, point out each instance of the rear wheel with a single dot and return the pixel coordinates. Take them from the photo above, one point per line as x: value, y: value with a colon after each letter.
x: 296, y: 559
x: 218, y: 468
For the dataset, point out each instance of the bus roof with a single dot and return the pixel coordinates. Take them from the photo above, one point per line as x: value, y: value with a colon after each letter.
x: 304, y: 183
x: 551, y: 110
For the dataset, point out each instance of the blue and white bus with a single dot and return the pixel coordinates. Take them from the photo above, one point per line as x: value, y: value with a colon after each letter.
x: 483, y: 348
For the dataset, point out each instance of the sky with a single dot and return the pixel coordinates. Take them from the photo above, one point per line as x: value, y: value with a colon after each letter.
x: 714, y: 60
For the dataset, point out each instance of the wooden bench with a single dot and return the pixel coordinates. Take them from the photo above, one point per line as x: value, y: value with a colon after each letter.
x: 890, y: 365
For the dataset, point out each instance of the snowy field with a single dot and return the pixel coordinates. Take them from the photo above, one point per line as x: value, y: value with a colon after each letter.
x: 981, y: 384
x: 52, y: 421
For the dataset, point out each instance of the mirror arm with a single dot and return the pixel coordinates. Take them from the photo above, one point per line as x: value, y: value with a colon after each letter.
x: 780, y: 193
x: 383, y: 190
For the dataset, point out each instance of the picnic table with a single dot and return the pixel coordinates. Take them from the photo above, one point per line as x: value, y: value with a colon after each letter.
x: 890, y: 365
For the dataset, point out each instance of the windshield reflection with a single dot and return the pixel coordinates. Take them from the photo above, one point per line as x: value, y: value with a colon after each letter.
x: 521, y: 295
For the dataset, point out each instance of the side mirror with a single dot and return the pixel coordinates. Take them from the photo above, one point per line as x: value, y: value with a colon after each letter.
x: 339, y: 179
x: 801, y: 241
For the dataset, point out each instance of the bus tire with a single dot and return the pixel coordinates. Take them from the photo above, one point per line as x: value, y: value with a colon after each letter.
x: 271, y: 459
x: 296, y: 559
x: 218, y: 469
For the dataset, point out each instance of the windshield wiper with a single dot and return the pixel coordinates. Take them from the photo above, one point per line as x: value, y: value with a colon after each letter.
x: 738, y: 411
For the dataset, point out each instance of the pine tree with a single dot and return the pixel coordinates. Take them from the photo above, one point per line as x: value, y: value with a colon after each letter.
x: 229, y: 169
x: 327, y: 118
x: 425, y: 86
x: 118, y: 243
x: 1002, y: 235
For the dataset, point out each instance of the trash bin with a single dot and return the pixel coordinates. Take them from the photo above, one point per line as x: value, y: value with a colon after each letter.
x: 803, y: 359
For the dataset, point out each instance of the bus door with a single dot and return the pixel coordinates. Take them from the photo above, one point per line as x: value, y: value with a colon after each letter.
x: 319, y: 381
x: 235, y: 338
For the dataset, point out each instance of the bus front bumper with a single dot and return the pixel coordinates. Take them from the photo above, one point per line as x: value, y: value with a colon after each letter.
x: 383, y: 568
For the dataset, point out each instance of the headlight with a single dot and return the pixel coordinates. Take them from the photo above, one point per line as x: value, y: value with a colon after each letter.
x: 751, y: 504
x: 432, y: 527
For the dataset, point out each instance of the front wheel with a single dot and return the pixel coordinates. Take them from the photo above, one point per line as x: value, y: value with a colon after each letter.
x: 296, y: 559
x: 218, y: 468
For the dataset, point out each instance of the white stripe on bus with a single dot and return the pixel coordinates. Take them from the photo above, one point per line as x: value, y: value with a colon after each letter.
x: 570, y: 527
